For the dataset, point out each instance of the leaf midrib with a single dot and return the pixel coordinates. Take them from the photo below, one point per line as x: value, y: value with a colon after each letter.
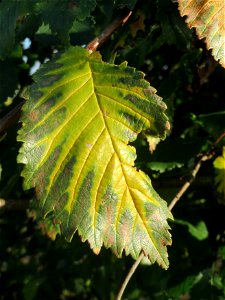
x: 123, y: 172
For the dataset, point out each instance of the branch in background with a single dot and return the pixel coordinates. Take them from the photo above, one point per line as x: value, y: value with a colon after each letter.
x: 98, y: 41
x: 129, y: 275
x: 10, y: 118
x: 189, y: 182
x: 204, y: 157
x: 194, y: 172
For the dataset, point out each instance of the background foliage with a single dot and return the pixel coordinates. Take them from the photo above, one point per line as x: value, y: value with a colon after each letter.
x: 156, y: 41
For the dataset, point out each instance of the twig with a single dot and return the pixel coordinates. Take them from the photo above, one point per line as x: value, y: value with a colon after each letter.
x: 194, y: 172
x: 11, y: 117
x: 183, y: 189
x: 129, y: 275
x: 189, y: 182
x: 98, y: 41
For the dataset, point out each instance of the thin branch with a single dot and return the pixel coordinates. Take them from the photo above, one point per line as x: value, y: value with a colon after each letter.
x: 98, y: 41
x: 11, y: 117
x: 189, y: 182
x: 183, y: 189
x: 129, y: 275
x: 194, y: 172
x: 220, y: 138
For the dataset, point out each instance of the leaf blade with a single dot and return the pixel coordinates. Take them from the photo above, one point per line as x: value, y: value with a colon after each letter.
x: 79, y: 160
x: 208, y: 18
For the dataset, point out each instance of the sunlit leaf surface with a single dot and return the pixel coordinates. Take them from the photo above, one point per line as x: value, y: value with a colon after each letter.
x: 208, y: 17
x: 78, y: 119
x: 219, y: 165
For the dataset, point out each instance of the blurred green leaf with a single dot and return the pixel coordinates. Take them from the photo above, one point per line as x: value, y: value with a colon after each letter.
x: 199, y: 231
x: 166, y: 157
x: 219, y: 165
x: 174, y: 29
x: 185, y: 286
x: 10, y: 11
x: 61, y: 14
x: 129, y: 3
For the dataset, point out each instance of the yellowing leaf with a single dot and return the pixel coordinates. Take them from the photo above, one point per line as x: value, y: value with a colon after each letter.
x: 208, y: 16
x: 78, y: 119
x: 219, y: 165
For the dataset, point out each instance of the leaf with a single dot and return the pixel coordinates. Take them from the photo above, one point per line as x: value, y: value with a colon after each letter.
x: 174, y: 29
x: 152, y: 142
x: 77, y: 122
x: 199, y: 231
x: 219, y: 165
x: 166, y: 157
x: 185, y: 286
x: 10, y: 11
x: 208, y: 18
x: 129, y: 3
x: 60, y: 14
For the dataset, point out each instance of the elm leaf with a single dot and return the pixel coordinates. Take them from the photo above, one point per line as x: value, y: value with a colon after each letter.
x: 79, y: 117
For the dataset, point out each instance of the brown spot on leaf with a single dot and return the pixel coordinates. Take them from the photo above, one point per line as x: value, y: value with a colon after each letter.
x: 163, y: 243
x: 167, y: 125
x: 33, y: 116
x: 56, y: 221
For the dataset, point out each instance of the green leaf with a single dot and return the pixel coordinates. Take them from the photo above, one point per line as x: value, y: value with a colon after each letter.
x: 199, y: 231
x: 219, y: 165
x: 166, y: 157
x: 60, y: 14
x: 129, y: 3
x: 208, y: 18
x: 174, y: 29
x: 10, y: 11
x: 79, y: 117
x: 185, y: 286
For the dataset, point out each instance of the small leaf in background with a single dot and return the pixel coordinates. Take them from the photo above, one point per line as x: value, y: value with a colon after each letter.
x: 138, y: 25
x: 219, y: 165
x: 207, y: 16
x: 174, y: 29
x: 60, y: 15
x: 78, y: 119
x: 129, y: 3
x: 166, y: 157
x: 185, y: 286
x: 199, y: 231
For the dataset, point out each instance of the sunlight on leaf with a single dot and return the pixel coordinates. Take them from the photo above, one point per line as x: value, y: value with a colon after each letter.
x: 78, y: 119
x: 207, y: 16
x: 219, y: 165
